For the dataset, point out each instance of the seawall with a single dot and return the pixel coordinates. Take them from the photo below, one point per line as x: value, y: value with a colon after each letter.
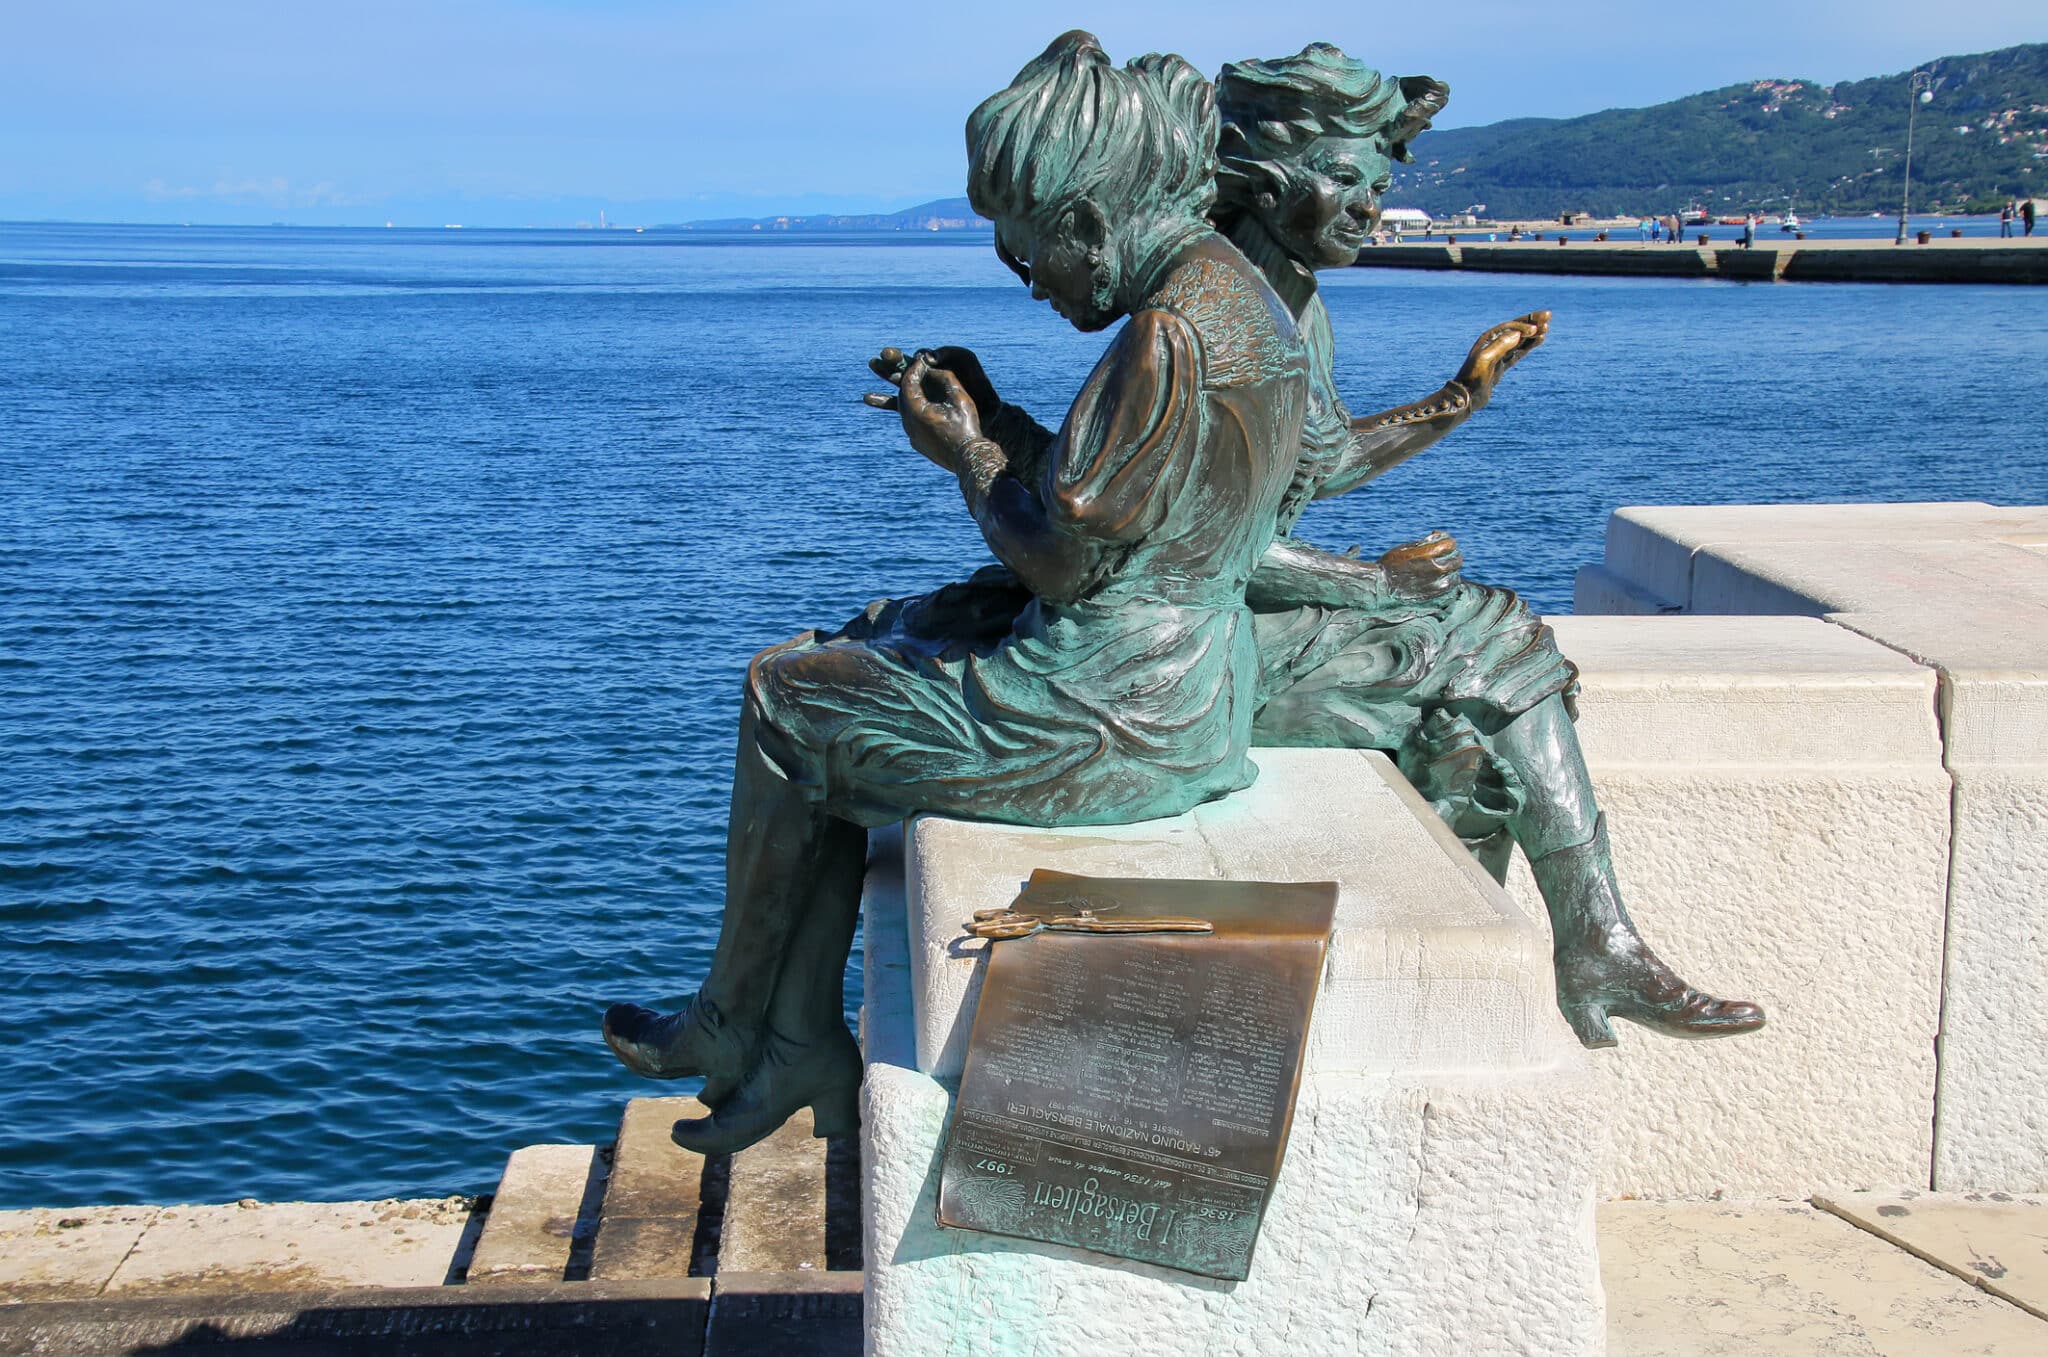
x: 1977, y: 260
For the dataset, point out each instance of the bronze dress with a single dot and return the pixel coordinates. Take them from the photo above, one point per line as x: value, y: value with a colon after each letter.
x: 1131, y: 695
x: 1372, y: 678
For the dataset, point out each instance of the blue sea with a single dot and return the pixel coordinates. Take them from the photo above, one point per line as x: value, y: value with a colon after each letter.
x: 373, y: 606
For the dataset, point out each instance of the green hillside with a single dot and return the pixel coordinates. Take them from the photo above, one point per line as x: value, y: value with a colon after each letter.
x: 1983, y: 139
x: 940, y: 214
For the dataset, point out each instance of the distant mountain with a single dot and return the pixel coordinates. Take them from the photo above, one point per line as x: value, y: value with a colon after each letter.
x: 941, y: 214
x: 1982, y: 139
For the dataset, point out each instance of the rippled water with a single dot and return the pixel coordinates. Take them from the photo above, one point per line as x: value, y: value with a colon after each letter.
x: 373, y: 605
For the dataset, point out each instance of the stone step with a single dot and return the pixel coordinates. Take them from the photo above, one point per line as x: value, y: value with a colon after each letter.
x: 760, y: 1314
x: 790, y: 1204
x: 775, y: 1204
x: 250, y: 1246
x: 545, y: 1207
x: 653, y: 1223
x: 589, y: 1319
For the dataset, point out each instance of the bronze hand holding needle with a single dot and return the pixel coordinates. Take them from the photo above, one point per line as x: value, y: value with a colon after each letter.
x: 942, y: 396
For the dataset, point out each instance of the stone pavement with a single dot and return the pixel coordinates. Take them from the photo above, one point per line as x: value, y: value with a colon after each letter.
x: 1881, y: 1274
x: 1961, y: 591
x: 1792, y: 1279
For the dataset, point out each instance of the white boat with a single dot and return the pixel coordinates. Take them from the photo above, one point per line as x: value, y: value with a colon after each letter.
x: 1790, y: 221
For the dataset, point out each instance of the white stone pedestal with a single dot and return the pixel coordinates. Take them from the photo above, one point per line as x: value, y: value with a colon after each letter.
x: 1780, y: 820
x: 1437, y: 1194
x: 1962, y: 591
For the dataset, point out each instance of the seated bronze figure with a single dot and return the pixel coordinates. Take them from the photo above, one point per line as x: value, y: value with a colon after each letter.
x: 1123, y: 685
x: 1153, y: 615
x: 1458, y: 681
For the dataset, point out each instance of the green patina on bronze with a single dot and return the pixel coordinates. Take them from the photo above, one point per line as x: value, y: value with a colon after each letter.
x: 1151, y: 614
x: 1106, y: 671
x: 1456, y: 680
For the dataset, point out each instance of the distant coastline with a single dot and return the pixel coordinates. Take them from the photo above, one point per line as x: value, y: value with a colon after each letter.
x: 940, y: 214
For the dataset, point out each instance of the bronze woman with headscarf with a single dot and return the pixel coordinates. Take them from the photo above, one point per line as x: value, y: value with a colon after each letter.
x: 1458, y: 681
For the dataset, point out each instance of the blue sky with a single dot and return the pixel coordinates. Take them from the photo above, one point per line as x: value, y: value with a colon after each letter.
x: 529, y: 112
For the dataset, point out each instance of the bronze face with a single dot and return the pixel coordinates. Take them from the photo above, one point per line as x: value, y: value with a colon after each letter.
x: 1070, y: 266
x: 1331, y: 204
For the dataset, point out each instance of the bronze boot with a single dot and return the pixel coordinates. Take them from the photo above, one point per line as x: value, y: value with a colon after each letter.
x: 807, y: 1058
x: 784, y: 860
x: 1605, y: 969
x: 697, y: 1040
x: 823, y: 1074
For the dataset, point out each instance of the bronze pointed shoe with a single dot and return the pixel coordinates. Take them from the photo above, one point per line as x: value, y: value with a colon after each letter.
x: 1640, y: 988
x: 1605, y: 969
x: 823, y: 1074
x: 697, y: 1040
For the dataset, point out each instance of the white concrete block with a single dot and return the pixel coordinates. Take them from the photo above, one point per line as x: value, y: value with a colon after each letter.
x: 1963, y: 589
x: 1598, y: 590
x: 1993, y: 1127
x: 1441, y: 1205
x: 1447, y: 1214
x: 1654, y: 546
x: 1991, y: 648
x: 1642, y: 550
x: 1430, y: 966
x: 1779, y: 817
x: 1745, y: 692
x: 1992, y: 654
x: 1832, y: 576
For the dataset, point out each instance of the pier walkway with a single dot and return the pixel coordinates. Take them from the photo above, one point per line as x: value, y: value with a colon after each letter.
x: 649, y: 1249
x: 1773, y: 259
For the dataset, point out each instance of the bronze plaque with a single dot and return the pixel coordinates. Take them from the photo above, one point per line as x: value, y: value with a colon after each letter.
x: 1131, y: 1093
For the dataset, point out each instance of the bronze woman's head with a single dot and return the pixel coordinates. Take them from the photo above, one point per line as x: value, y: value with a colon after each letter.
x: 1308, y: 145
x: 1077, y: 157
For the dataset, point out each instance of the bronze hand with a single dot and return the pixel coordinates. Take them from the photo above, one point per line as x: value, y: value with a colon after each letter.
x: 1499, y: 349
x: 1423, y: 570
x: 964, y: 363
x: 940, y: 416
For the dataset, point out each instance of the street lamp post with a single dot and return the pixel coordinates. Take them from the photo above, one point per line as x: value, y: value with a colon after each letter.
x: 1919, y: 90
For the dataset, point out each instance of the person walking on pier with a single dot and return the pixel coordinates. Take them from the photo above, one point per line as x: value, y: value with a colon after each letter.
x: 2005, y: 220
x: 2027, y: 214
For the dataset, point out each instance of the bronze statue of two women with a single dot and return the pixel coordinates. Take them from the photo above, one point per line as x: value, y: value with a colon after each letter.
x: 1151, y: 616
